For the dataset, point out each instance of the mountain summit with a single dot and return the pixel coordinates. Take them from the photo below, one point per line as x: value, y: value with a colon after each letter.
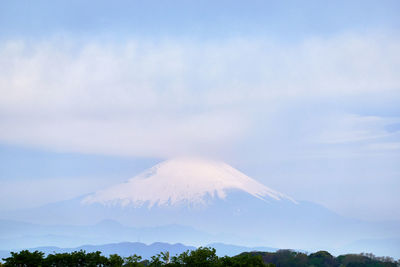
x: 183, y: 180
x: 195, y: 201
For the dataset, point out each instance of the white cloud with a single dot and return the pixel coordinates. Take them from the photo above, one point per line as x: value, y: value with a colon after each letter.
x: 355, y: 128
x: 175, y: 97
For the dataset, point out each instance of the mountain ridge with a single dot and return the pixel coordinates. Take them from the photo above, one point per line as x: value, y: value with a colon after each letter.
x: 232, y: 214
x: 190, y: 181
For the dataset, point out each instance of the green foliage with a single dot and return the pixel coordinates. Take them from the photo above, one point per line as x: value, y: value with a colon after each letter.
x: 165, y: 257
x: 76, y: 258
x: 161, y: 259
x: 155, y: 261
x: 283, y: 258
x: 202, y: 257
x: 288, y: 258
x: 243, y: 260
x: 115, y: 260
x: 322, y: 258
x: 198, y: 258
x: 24, y: 258
x: 367, y: 260
x: 133, y: 261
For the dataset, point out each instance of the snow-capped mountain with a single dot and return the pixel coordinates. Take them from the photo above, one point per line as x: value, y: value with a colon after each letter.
x: 182, y: 181
x: 215, y: 201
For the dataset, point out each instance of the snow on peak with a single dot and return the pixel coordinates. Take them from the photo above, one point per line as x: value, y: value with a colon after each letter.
x: 181, y: 180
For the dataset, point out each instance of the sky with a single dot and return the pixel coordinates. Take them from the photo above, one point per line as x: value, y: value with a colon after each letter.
x: 303, y: 96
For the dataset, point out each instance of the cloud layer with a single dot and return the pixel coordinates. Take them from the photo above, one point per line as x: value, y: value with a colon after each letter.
x: 166, y: 98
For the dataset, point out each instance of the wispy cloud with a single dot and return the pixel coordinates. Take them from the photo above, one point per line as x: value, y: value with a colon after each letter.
x: 355, y: 128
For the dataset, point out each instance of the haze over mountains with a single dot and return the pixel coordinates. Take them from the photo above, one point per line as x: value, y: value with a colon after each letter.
x: 195, y: 202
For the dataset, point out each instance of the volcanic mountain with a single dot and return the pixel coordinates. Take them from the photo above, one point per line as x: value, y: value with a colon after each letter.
x: 197, y: 200
x: 182, y: 181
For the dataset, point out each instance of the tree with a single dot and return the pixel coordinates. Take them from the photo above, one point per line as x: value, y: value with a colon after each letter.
x: 201, y: 257
x: 115, y: 260
x: 247, y: 260
x: 165, y: 257
x: 95, y: 259
x: 133, y: 261
x: 321, y: 258
x: 155, y: 261
x: 58, y: 260
x: 25, y: 258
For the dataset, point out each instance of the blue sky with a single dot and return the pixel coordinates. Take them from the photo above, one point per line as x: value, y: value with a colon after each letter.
x: 284, y: 20
x: 302, y: 96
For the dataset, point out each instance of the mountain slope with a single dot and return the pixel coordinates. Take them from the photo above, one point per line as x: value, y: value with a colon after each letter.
x: 20, y: 235
x: 221, y: 203
x: 183, y: 180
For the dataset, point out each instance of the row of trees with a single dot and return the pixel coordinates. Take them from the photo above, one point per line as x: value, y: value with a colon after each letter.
x: 201, y: 257
x: 323, y: 258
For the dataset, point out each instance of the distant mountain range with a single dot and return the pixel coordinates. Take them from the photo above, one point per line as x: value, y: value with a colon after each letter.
x: 193, y: 201
x: 19, y: 235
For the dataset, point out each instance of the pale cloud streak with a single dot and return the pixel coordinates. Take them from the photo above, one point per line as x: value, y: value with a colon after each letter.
x: 355, y: 128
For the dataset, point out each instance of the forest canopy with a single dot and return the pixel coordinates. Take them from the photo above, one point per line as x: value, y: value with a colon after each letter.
x: 201, y: 257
